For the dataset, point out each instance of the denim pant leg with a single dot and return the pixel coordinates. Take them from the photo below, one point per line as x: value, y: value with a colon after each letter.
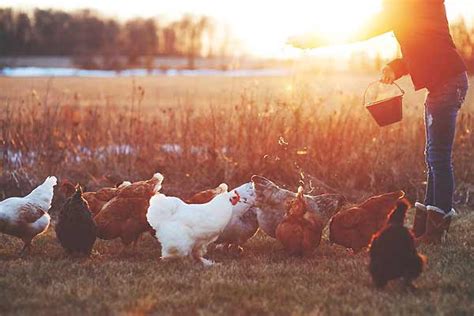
x: 441, y: 110
x: 429, y: 193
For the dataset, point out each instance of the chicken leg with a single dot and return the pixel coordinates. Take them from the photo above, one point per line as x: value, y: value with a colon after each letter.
x: 197, y: 254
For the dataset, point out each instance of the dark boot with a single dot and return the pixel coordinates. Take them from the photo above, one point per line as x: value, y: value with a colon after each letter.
x: 419, y: 225
x: 437, y: 224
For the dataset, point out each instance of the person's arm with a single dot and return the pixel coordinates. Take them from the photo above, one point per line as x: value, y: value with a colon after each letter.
x: 377, y: 25
x: 399, y: 67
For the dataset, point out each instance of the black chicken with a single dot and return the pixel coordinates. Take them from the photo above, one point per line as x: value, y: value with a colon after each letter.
x: 76, y: 229
x: 392, y: 251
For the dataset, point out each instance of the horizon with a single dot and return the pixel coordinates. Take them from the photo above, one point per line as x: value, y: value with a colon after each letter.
x: 261, y: 34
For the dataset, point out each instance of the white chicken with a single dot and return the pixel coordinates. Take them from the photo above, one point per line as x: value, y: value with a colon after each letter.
x: 187, y: 229
x: 27, y: 217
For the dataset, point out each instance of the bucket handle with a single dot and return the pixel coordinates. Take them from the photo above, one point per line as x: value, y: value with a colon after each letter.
x: 371, y: 84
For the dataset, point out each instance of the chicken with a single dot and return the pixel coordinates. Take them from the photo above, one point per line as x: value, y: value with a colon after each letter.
x: 124, y: 215
x: 392, y: 251
x: 243, y: 224
x: 300, y: 231
x: 97, y: 200
x: 353, y: 228
x: 75, y: 229
x: 272, y: 201
x: 63, y: 190
x: 185, y: 230
x: 204, y: 196
x: 27, y: 217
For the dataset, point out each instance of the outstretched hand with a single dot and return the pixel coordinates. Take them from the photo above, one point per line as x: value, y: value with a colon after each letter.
x: 307, y: 41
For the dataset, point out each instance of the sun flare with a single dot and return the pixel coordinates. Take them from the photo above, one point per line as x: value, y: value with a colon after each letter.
x: 335, y: 20
x: 260, y: 27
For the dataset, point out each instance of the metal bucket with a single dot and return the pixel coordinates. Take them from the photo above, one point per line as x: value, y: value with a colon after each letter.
x: 387, y: 111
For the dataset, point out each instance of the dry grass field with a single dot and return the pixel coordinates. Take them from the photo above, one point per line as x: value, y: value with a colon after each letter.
x: 199, y: 132
x: 263, y: 281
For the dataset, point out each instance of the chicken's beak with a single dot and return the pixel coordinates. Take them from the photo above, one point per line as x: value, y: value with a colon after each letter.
x: 235, y: 199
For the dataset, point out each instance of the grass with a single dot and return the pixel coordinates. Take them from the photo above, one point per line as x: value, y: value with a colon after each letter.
x: 263, y: 281
x: 232, y: 128
x: 200, y: 132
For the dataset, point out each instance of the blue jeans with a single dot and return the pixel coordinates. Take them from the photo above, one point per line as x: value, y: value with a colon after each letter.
x: 441, y: 109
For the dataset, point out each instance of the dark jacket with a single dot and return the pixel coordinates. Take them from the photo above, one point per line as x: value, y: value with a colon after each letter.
x: 421, y: 27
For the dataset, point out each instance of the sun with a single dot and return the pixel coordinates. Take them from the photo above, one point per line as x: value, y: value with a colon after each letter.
x: 335, y: 19
x: 338, y: 19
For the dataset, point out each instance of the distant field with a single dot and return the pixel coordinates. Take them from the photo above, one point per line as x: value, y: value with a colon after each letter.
x: 164, y: 91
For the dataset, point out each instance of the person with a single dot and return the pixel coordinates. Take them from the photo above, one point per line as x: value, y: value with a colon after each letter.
x: 430, y: 57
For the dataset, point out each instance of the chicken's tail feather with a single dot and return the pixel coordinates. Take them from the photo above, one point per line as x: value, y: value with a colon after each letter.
x: 159, y: 178
x: 47, y: 185
x: 78, y: 193
x: 396, y: 195
x: 124, y: 184
x: 397, y: 216
x: 161, y: 209
x: 300, y: 191
x: 50, y: 181
x: 43, y: 194
x: 224, y: 187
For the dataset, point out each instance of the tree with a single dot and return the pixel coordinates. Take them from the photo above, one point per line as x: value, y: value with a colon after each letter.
x: 141, y: 39
x: 7, y: 27
x: 169, y: 46
x: 23, y: 33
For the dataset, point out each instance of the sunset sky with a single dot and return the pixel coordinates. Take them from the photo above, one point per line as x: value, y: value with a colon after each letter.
x: 261, y: 25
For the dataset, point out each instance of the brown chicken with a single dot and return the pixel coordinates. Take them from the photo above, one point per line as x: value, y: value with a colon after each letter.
x: 353, y: 228
x: 300, y: 231
x: 204, y: 196
x: 97, y: 200
x: 124, y: 215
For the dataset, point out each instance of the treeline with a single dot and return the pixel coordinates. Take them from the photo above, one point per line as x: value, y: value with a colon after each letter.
x: 98, y: 42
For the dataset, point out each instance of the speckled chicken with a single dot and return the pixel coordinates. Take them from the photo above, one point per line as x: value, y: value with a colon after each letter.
x: 76, y: 229
x: 300, y: 231
x: 27, y: 217
x: 353, y: 227
x: 271, y: 204
x: 243, y: 224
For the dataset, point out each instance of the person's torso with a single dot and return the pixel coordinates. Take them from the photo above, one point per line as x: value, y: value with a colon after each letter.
x: 421, y: 27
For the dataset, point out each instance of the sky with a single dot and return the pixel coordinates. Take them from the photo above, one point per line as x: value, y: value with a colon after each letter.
x: 262, y: 26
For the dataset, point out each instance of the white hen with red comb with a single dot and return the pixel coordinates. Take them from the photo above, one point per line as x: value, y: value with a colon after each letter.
x: 26, y: 217
x: 187, y: 229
